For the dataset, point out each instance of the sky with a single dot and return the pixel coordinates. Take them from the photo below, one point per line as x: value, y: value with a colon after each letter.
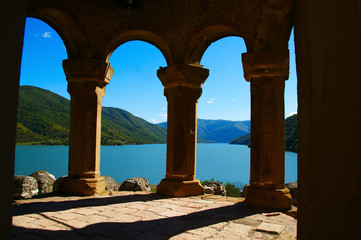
x: 135, y: 86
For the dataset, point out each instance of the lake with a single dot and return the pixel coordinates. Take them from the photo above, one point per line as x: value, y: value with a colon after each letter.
x: 221, y: 161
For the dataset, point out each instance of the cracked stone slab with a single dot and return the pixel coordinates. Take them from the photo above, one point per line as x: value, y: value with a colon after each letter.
x: 270, y: 228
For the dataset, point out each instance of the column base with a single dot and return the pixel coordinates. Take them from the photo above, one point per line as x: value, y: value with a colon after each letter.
x: 83, y: 186
x: 272, y: 199
x: 180, y: 188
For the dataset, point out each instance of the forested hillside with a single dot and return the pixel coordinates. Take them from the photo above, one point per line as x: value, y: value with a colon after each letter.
x: 43, y: 118
x: 291, y: 137
x: 291, y: 140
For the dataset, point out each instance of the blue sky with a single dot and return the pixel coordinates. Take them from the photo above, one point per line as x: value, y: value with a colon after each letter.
x: 135, y: 87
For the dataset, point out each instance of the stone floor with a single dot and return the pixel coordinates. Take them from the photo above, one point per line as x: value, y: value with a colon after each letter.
x: 140, y: 215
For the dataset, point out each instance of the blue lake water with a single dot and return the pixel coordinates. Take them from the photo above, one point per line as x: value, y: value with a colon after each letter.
x: 223, y: 162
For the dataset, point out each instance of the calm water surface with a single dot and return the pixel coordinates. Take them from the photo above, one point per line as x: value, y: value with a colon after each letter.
x: 223, y: 162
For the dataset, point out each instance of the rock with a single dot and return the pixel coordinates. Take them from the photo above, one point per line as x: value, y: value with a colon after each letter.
x: 135, y: 184
x: 25, y: 186
x: 243, y: 193
x: 111, y: 184
x: 58, y: 182
x: 45, y: 181
x: 215, y: 188
x: 292, y: 186
x: 208, y: 190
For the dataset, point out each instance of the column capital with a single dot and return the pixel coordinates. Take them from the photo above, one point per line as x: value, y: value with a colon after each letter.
x: 87, y: 70
x: 182, y: 74
x: 266, y: 64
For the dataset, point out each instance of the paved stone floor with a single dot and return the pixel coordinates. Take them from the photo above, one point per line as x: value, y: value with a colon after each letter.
x: 129, y: 215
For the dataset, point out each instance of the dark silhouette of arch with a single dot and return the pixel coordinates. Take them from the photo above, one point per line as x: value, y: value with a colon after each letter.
x: 75, y: 42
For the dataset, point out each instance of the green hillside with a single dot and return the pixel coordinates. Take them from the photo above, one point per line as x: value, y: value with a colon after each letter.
x: 121, y: 127
x: 242, y: 140
x: 291, y: 140
x: 291, y: 137
x: 43, y: 118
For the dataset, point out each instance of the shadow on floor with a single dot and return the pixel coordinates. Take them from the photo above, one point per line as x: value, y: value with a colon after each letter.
x: 54, y: 206
x: 151, y: 229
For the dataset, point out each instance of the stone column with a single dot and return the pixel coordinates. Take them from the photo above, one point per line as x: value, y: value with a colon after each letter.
x: 267, y: 72
x: 87, y: 79
x: 182, y: 85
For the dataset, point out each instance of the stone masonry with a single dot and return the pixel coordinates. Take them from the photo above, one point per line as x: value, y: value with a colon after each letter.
x: 141, y: 215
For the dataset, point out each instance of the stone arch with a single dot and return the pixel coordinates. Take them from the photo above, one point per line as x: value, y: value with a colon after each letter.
x: 75, y: 42
x: 204, y: 38
x: 141, y: 35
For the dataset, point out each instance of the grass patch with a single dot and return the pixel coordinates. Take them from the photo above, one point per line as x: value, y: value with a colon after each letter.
x: 232, y: 189
x: 153, y: 188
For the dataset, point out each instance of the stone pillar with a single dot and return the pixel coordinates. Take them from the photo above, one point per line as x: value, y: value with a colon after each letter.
x: 87, y: 79
x: 182, y: 85
x: 267, y: 72
x: 13, y: 14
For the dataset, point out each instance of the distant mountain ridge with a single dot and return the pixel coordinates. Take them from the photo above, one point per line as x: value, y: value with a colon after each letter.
x: 219, y: 131
x: 43, y: 118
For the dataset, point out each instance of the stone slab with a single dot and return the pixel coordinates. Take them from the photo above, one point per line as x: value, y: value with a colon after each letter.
x: 270, y: 228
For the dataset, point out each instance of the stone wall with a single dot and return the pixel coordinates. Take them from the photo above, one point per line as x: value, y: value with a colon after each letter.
x: 328, y: 57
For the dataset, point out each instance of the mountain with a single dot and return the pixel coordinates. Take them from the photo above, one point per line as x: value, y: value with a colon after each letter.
x: 220, y: 131
x: 43, y: 118
x: 242, y: 140
x: 291, y: 139
x: 121, y: 127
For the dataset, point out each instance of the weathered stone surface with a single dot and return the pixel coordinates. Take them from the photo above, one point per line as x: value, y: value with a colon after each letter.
x: 58, y: 182
x: 270, y: 228
x: 263, y: 198
x: 292, y: 186
x: 182, y: 87
x: 135, y: 184
x: 144, y: 216
x: 45, y: 181
x: 180, y: 188
x: 25, y: 186
x: 80, y: 186
x: 111, y: 184
x: 215, y: 188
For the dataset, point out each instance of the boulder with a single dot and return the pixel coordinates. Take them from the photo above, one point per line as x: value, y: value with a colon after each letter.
x: 135, y: 184
x: 243, y: 193
x: 214, y: 188
x: 25, y: 186
x: 58, y: 182
x: 111, y: 184
x: 45, y: 181
x: 292, y: 186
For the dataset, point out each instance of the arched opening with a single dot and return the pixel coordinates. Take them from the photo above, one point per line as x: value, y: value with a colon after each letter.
x: 226, y: 96
x: 138, y: 105
x: 224, y: 114
x: 43, y: 107
x: 291, y: 124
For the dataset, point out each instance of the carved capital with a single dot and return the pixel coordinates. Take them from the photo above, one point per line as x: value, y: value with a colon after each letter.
x: 182, y: 74
x: 181, y: 92
x: 87, y: 70
x: 86, y: 90
x: 266, y: 64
